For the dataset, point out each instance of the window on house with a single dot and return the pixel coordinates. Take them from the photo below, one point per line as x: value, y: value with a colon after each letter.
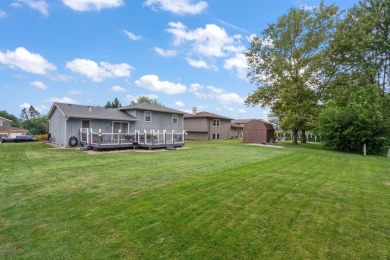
x: 85, y: 123
x: 1, y: 123
x: 175, y: 119
x: 216, y: 122
x: 124, y: 127
x: 148, y: 116
x: 215, y: 136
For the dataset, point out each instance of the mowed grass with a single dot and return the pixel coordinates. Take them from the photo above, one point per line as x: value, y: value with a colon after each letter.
x: 213, y: 200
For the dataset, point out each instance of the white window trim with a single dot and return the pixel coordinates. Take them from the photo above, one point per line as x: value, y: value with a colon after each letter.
x: 1, y: 123
x: 177, y: 119
x: 81, y: 122
x: 150, y: 116
x: 219, y: 123
x: 121, y: 122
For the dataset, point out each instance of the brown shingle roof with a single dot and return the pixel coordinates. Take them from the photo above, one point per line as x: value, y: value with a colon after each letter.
x: 206, y: 115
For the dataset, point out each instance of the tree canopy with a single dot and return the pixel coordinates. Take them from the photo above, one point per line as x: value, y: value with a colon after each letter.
x: 287, y: 63
x: 144, y: 99
x: 114, y: 104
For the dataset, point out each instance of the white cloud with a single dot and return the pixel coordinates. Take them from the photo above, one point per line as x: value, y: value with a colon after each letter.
x: 153, y: 83
x: 63, y: 100
x: 38, y: 84
x: 98, y: 72
x: 179, y: 104
x: 196, y: 88
x: 25, y: 105
x: 75, y: 92
x: 219, y: 94
x: 16, y: 5
x: 27, y: 61
x: 165, y: 53
x: 3, y: 14
x: 239, y: 63
x: 134, y: 98
x: 211, y: 41
x: 132, y: 36
x: 225, y: 98
x: 242, y: 111
x: 200, y: 64
x: 180, y: 7
x: 92, y: 5
x: 118, y: 88
x: 41, y: 6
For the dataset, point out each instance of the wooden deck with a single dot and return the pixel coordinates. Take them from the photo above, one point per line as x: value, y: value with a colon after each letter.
x: 146, y: 140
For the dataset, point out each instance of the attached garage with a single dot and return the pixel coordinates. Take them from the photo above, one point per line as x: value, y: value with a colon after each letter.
x: 258, y: 131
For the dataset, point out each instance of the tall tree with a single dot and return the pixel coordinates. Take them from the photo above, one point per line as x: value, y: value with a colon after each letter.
x: 357, y: 102
x: 144, y: 99
x: 24, y: 115
x: 361, y: 45
x: 33, y: 112
x: 287, y: 63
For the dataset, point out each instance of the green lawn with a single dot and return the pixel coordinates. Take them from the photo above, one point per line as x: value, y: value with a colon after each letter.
x: 213, y: 200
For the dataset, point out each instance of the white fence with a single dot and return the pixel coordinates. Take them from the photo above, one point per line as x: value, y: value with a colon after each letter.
x: 150, y: 138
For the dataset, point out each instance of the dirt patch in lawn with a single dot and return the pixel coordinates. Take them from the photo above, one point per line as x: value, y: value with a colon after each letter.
x: 267, y: 145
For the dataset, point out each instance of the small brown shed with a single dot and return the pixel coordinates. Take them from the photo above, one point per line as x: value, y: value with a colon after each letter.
x: 258, y: 131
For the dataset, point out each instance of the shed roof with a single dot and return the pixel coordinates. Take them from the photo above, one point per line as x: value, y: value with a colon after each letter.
x: 205, y: 115
x: 93, y: 112
x: 152, y: 107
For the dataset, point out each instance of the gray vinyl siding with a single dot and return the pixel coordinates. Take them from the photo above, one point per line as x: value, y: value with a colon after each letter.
x: 57, y: 127
x: 159, y: 121
x: 74, y: 125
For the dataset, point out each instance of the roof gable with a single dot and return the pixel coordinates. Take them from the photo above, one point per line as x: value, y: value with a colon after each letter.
x: 93, y: 112
x: 152, y: 107
x: 3, y: 118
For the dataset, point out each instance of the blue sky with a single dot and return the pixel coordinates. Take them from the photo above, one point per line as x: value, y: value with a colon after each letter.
x: 185, y: 53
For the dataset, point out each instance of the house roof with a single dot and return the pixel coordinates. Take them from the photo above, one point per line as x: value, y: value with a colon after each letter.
x: 241, y: 121
x: 245, y: 121
x: 152, y: 107
x: 205, y: 115
x: 3, y: 118
x: 93, y: 112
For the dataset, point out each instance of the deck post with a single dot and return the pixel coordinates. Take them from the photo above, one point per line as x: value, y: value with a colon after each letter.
x: 173, y: 137
x: 144, y: 136
x: 119, y: 136
x: 165, y: 137
x: 90, y: 137
x: 100, y: 137
x: 152, y: 135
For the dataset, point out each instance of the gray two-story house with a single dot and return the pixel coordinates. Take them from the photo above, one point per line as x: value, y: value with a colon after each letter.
x: 146, y: 124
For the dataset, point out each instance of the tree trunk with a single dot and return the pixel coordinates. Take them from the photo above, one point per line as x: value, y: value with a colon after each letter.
x: 303, y: 140
x: 295, y: 136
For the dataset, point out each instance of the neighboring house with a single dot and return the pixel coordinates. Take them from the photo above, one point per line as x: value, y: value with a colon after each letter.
x: 6, y: 128
x: 255, y: 130
x: 69, y: 120
x: 207, y: 126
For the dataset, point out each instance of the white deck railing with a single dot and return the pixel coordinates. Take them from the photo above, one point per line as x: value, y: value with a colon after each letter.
x: 151, y: 137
